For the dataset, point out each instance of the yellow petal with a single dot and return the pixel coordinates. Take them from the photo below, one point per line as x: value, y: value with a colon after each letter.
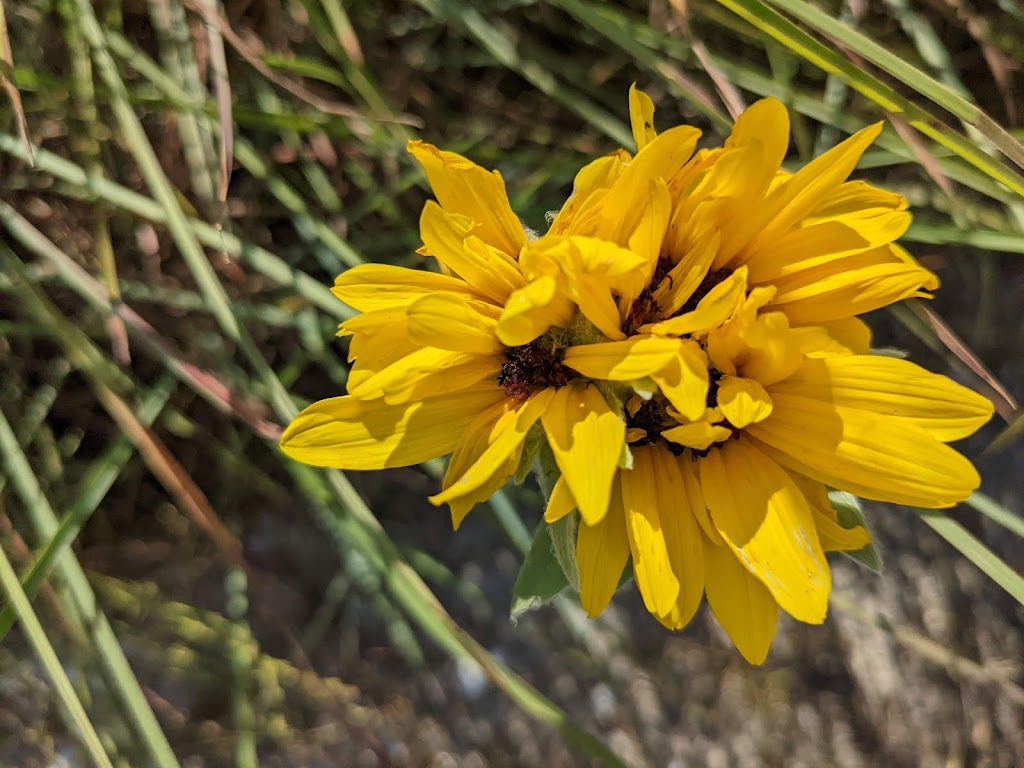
x: 684, y: 381
x: 816, y: 341
x: 641, y: 117
x: 795, y: 198
x: 689, y: 468
x: 711, y: 311
x: 646, y: 241
x: 683, y: 538
x: 375, y: 350
x: 595, y: 269
x: 602, y: 258
x: 464, y: 188
x: 684, y: 278
x: 822, y: 244
x: 465, y: 371
x: 658, y: 585
x: 586, y: 438
x: 450, y: 322
x: 370, y: 287
x: 743, y: 401
x: 850, y: 286
x: 347, y: 433
x: 762, y: 348
x: 634, y: 358
x: 498, y: 461
x: 766, y: 520
x: 700, y: 435
x: 623, y: 207
x: 594, y: 299
x: 601, y: 554
x: 560, y: 502
x: 753, y: 153
x: 833, y: 537
x: 765, y: 121
x: 852, y: 332
x: 532, y: 309
x: 416, y: 364
x: 742, y: 604
x: 887, y: 385
x: 598, y: 175
x: 876, y: 457
x: 855, y: 201
x: 476, y: 439
x: 447, y: 238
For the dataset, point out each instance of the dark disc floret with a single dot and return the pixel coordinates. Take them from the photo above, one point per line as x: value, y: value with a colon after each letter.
x: 533, y: 366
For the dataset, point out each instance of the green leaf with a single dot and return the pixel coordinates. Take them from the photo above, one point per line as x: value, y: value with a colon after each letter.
x: 540, y: 578
x: 847, y: 506
x: 534, y: 438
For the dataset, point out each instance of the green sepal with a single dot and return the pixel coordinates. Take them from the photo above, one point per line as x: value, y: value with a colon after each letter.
x: 541, y: 576
x: 848, y: 509
x: 534, y: 439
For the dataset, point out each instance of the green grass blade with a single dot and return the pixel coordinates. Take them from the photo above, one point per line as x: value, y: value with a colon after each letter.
x: 910, y: 75
x: 94, y: 624
x: 996, y: 512
x: 781, y: 29
x: 499, y: 45
x: 260, y: 259
x: 982, y: 239
x: 93, y: 488
x: 37, y: 639
x: 986, y: 560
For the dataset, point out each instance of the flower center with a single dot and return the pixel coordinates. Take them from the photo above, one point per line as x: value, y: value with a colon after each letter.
x: 644, y: 310
x: 532, y: 366
x: 650, y: 418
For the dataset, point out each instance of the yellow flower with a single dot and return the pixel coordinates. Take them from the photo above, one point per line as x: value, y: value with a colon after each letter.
x: 684, y: 340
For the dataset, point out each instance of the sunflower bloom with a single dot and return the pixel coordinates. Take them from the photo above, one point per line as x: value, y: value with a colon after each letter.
x: 684, y: 339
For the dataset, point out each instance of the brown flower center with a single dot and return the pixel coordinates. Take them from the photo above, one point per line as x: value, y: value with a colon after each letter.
x: 533, y: 366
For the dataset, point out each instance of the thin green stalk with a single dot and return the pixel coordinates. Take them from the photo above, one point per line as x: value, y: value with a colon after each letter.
x: 982, y: 239
x: 37, y: 639
x: 263, y: 261
x: 102, y: 474
x: 94, y: 624
x: 500, y: 46
x: 986, y: 560
x: 208, y: 386
x: 616, y: 25
x: 246, y: 154
x: 779, y: 28
x: 168, y: 19
x: 997, y: 512
x: 898, y: 67
x: 88, y: 123
x: 82, y: 354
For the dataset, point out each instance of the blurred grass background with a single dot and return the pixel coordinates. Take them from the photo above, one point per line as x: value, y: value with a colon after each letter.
x: 180, y: 181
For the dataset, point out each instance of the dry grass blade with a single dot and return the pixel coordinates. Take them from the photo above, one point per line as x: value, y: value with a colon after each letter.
x: 923, y: 155
x: 347, y: 37
x: 222, y: 94
x: 7, y: 78
x: 298, y: 90
x: 999, y: 64
x: 1006, y: 404
x: 85, y: 285
x: 172, y: 476
x: 728, y: 92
